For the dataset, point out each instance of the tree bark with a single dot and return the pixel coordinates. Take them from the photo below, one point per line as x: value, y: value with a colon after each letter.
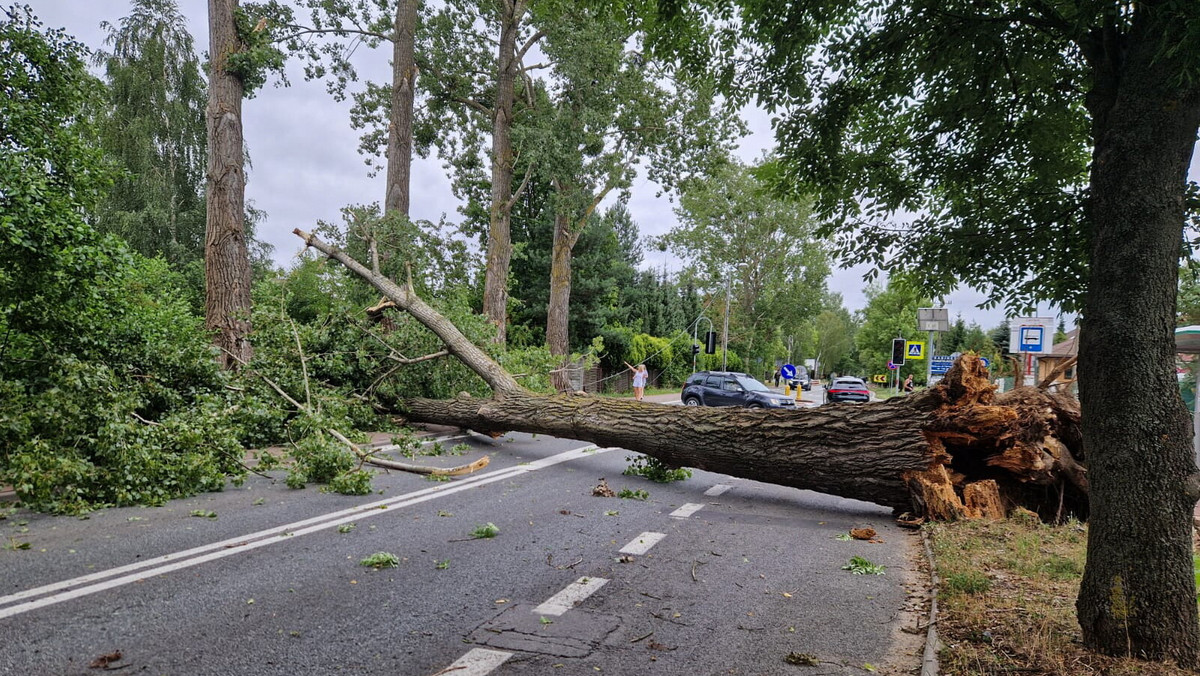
x: 404, y: 71
x: 226, y: 257
x: 1138, y: 592
x: 495, y: 288
x: 923, y: 453
x: 558, y: 308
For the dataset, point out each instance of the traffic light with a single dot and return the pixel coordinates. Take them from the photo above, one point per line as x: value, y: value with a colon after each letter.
x: 899, y: 350
x: 695, y: 349
x: 710, y: 342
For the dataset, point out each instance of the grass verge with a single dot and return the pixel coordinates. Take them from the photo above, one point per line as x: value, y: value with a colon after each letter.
x: 1007, y: 601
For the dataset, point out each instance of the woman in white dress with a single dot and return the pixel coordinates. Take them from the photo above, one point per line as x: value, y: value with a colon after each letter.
x: 639, y: 380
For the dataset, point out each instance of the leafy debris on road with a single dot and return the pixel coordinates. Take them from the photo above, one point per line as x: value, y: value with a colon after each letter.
x: 862, y: 533
x: 602, y: 490
x: 802, y: 659
x: 860, y: 566
x: 380, y: 560
x: 103, y: 661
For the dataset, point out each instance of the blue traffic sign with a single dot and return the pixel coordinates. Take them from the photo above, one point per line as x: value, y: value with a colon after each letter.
x: 939, y: 365
x: 788, y: 371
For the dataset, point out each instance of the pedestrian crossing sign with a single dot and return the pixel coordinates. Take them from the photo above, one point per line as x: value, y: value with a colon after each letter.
x: 916, y: 350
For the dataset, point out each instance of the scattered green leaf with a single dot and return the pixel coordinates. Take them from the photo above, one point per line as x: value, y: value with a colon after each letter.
x: 487, y: 530
x: 860, y: 566
x: 380, y: 560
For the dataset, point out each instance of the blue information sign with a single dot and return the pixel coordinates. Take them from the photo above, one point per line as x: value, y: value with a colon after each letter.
x: 938, y: 366
x: 788, y: 371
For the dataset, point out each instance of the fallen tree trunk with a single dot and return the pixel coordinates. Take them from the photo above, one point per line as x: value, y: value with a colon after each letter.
x: 955, y: 450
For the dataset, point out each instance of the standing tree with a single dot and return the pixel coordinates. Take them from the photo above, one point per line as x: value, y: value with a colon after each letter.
x: 153, y: 128
x: 387, y: 111
x: 240, y: 54
x: 835, y: 331
x: 733, y: 227
x: 1056, y: 133
x: 609, y: 109
x: 226, y: 255
x: 890, y: 313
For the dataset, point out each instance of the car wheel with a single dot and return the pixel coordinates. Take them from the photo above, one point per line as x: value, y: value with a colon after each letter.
x: 754, y: 405
x: 691, y: 401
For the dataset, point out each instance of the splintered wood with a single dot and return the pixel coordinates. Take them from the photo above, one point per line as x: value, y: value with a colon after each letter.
x: 998, y: 452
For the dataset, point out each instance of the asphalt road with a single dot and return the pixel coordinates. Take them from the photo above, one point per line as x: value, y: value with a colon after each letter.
x: 726, y: 576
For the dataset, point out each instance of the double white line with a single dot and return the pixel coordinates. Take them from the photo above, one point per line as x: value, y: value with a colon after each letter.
x: 47, y: 595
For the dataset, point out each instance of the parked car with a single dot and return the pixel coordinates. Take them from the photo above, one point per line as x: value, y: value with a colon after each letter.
x: 847, y: 389
x: 728, y: 388
x: 802, y: 380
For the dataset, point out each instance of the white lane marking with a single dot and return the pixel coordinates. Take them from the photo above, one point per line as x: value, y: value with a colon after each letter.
x: 476, y: 662
x: 686, y: 510
x: 573, y: 595
x: 642, y: 543
x: 717, y: 490
x: 245, y: 539
x: 231, y: 546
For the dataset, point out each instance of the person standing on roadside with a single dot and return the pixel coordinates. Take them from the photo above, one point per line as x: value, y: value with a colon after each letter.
x: 639, y: 380
x: 908, y: 384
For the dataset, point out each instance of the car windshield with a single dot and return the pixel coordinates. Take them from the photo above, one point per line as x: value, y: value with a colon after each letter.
x: 753, y: 385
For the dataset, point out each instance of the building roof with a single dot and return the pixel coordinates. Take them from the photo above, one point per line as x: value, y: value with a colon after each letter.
x: 1069, y: 347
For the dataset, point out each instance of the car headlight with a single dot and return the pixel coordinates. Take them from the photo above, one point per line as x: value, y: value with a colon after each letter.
x: 775, y: 402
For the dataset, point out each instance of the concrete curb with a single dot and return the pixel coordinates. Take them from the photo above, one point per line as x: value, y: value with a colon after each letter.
x: 929, y: 661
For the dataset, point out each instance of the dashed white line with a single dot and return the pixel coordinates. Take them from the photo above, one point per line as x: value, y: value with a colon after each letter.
x: 573, y: 595
x: 686, y: 510
x: 476, y: 662
x: 642, y: 543
x: 717, y: 490
x: 135, y: 572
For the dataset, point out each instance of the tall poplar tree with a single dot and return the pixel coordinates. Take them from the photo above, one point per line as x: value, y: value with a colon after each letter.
x: 611, y: 110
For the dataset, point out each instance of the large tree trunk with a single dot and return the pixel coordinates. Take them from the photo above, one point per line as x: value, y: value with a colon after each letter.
x: 558, y: 309
x: 495, y: 288
x: 226, y: 258
x: 955, y: 450
x: 1138, y: 592
x: 404, y: 71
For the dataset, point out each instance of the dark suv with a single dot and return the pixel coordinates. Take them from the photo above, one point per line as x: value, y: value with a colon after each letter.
x: 802, y: 381
x: 727, y: 388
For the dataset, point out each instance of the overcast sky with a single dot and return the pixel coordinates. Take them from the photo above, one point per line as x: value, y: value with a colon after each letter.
x: 306, y: 165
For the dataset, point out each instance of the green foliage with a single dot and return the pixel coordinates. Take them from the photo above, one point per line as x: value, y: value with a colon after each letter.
x: 380, y: 560
x: 346, y: 528
x: 629, y: 494
x: 890, y: 313
x: 860, y: 566
x: 204, y: 513
x: 354, y: 482
x: 153, y: 130
x: 487, y: 530
x: 258, y: 30
x: 655, y: 470
x: 734, y: 230
x: 321, y: 459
